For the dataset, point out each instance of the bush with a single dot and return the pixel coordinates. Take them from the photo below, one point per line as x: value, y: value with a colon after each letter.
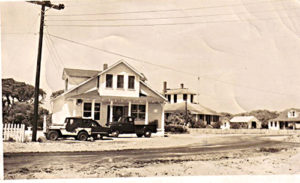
x: 198, y: 124
x: 216, y: 124
x: 176, y: 129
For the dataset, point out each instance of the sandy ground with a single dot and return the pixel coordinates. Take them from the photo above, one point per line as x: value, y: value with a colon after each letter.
x: 257, y: 161
x: 123, y: 142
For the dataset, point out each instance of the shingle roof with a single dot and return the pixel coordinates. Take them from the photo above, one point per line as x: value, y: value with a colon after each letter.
x: 79, y: 73
x: 283, y: 116
x: 180, y: 91
x: 243, y: 119
x: 193, y: 108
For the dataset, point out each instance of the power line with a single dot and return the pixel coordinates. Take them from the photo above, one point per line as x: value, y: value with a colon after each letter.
x: 169, y: 24
x: 166, y: 10
x: 172, y: 17
x: 51, y: 56
x: 169, y: 68
x: 55, y: 50
x: 121, y: 55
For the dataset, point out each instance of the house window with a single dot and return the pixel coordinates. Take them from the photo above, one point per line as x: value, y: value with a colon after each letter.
x: 175, y: 98
x: 131, y: 82
x: 109, y: 80
x: 66, y: 84
x: 192, y: 98
x: 169, y: 98
x: 97, y: 111
x: 138, y: 111
x: 184, y: 97
x: 120, y: 82
x: 275, y: 124
x: 98, y: 81
x: 87, y: 110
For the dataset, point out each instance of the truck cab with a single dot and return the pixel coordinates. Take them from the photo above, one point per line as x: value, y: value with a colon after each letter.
x: 126, y: 125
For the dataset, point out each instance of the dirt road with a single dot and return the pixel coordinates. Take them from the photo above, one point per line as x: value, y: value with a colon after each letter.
x: 118, y: 163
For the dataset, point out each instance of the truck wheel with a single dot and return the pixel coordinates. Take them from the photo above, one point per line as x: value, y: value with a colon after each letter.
x: 147, y: 133
x: 82, y: 136
x: 53, y: 135
x: 115, y: 133
x: 139, y: 134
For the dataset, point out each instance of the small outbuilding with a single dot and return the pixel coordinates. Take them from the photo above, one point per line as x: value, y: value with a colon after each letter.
x: 246, y: 122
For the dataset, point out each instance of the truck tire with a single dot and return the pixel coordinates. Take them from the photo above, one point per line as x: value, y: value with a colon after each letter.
x: 139, y: 134
x: 115, y: 133
x: 53, y: 135
x: 147, y: 133
x: 82, y: 136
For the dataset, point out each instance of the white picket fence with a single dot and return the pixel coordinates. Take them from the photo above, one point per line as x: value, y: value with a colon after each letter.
x: 14, y: 131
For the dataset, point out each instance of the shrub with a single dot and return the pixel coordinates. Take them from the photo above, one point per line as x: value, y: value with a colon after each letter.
x: 216, y: 124
x: 198, y: 124
x: 176, y: 129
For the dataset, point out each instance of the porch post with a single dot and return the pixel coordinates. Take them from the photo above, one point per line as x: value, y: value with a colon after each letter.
x: 294, y: 127
x: 74, y: 107
x: 204, y: 119
x: 93, y: 109
x: 146, y: 115
x: 196, y: 117
x: 111, y: 111
x: 129, y: 108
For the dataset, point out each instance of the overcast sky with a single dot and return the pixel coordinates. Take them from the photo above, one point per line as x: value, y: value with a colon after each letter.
x: 245, y: 52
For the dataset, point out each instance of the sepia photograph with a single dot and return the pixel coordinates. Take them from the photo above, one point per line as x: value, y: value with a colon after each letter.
x: 146, y: 89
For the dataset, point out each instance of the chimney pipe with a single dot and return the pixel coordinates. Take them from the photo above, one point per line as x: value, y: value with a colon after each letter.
x: 105, y: 66
x: 165, y: 87
x: 182, y: 85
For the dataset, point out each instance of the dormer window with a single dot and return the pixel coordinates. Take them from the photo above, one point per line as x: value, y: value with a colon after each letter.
x: 184, y: 97
x: 120, y: 81
x: 292, y: 114
x: 109, y: 80
x: 66, y: 84
x: 131, y: 82
x: 175, y: 98
x: 98, y: 81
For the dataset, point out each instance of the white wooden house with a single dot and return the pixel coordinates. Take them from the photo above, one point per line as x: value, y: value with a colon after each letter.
x: 288, y: 119
x: 105, y: 96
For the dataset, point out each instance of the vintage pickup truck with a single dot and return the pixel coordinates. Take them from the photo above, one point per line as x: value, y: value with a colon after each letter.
x: 80, y: 129
x: 126, y: 125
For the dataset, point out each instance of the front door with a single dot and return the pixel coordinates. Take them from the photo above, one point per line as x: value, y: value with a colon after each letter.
x: 118, y: 112
x: 253, y: 124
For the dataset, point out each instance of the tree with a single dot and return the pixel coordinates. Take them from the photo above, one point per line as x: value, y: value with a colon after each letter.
x: 17, y: 103
x: 56, y: 94
x: 14, y: 90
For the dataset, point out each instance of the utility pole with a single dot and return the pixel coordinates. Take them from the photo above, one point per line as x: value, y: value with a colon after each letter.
x: 43, y: 4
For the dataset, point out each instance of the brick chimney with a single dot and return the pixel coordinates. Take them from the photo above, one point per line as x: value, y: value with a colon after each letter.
x: 165, y: 87
x: 182, y: 85
x: 105, y: 66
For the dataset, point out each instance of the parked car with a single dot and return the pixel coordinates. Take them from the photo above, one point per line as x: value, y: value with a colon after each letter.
x: 80, y: 129
x: 126, y: 125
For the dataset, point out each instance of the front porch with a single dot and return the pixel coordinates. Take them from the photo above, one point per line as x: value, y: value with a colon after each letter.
x: 107, y: 109
x: 284, y: 125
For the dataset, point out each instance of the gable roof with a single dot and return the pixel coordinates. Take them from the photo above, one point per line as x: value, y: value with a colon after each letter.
x: 193, y: 108
x: 129, y: 66
x: 180, y: 91
x: 79, y: 73
x: 109, y: 68
x: 243, y: 119
x: 160, y: 95
x: 283, y: 116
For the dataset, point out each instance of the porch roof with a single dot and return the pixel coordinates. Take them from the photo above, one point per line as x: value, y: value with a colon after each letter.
x: 94, y: 94
x: 193, y: 108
